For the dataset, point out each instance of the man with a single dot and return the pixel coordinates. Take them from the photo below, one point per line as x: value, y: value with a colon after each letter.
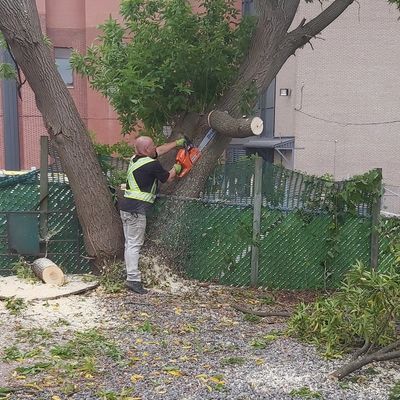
x: 144, y: 172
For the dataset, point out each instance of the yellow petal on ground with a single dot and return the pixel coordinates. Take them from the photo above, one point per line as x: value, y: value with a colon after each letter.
x: 33, y: 385
x: 138, y: 340
x: 174, y: 372
x: 55, y: 398
x: 143, y: 314
x: 178, y: 310
x: 216, y: 380
x: 88, y: 376
x: 136, y: 377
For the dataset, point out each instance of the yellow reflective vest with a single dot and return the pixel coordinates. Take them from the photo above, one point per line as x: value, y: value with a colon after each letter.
x: 133, y: 190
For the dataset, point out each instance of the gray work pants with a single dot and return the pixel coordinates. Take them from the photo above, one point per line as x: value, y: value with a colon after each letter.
x: 134, y: 228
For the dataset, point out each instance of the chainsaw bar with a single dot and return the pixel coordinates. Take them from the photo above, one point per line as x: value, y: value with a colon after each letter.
x: 207, y: 139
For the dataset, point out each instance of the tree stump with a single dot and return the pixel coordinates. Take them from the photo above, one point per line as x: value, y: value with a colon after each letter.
x: 48, y: 272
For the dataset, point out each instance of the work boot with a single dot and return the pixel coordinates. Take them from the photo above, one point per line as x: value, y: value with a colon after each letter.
x: 136, y: 287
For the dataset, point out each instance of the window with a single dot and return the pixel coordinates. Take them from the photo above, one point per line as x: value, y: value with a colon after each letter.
x: 63, y: 56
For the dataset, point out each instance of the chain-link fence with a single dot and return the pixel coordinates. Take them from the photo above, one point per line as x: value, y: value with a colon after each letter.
x: 20, y: 216
x: 307, y: 237
x: 310, y: 230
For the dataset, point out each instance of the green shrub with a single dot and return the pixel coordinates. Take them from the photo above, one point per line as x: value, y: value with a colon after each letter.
x: 365, y: 308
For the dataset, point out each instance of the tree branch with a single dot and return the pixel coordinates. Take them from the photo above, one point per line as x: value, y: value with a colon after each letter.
x: 387, y: 353
x: 226, y: 125
x: 261, y: 313
x: 305, y: 31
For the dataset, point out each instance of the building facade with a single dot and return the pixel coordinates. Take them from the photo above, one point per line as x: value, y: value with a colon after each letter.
x: 334, y: 108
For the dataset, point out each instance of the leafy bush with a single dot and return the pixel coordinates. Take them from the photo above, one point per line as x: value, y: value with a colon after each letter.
x: 365, y: 308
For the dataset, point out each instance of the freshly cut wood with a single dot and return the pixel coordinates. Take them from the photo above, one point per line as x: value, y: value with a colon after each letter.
x: 226, y: 125
x: 48, y: 272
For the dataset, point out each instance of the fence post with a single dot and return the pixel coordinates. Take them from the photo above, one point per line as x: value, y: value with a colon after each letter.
x: 44, y: 188
x: 257, y: 203
x: 375, y: 220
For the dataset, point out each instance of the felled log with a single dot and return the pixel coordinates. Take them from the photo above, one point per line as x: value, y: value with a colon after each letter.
x: 226, y: 125
x: 48, y: 272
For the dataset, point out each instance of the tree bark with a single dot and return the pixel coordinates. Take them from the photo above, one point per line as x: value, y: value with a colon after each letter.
x: 20, y: 25
x: 361, y: 362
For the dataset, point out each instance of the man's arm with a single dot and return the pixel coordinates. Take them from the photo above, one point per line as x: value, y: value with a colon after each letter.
x: 165, y: 148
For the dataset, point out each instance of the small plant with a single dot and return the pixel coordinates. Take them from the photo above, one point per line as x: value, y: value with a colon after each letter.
x: 34, y: 335
x: 34, y: 369
x: 15, y: 305
x: 394, y: 393
x: 254, y: 319
x: 112, y: 277
x: 268, y: 300
x: 264, y: 341
x: 305, y: 393
x: 23, y: 271
x: 232, y: 361
x: 146, y: 327
x: 13, y: 353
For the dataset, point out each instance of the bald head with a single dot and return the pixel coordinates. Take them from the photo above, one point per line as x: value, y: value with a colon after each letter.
x: 145, y: 146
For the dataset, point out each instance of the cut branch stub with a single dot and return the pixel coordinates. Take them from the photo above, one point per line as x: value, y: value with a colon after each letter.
x: 48, y: 272
x: 226, y: 125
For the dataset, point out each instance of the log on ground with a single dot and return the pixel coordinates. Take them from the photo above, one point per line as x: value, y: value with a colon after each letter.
x: 48, y: 271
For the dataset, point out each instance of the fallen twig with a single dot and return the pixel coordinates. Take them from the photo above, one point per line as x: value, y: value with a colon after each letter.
x: 261, y: 313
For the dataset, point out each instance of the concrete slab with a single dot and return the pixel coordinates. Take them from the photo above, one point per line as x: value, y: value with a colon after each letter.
x: 12, y: 286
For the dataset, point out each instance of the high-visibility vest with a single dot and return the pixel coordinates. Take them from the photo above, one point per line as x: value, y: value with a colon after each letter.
x: 133, y: 190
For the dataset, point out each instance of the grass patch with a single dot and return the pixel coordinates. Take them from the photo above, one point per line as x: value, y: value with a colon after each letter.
x: 34, y: 335
x: 15, y: 305
x: 87, y: 344
x: 34, y: 369
x: 305, y: 393
x: 232, y: 361
x: 264, y: 341
x: 254, y: 319
x: 13, y: 353
x: 394, y: 393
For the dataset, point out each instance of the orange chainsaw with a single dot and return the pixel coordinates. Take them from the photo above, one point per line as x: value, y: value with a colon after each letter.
x: 190, y: 154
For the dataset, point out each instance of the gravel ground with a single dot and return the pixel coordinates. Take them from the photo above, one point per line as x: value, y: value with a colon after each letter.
x: 194, y: 346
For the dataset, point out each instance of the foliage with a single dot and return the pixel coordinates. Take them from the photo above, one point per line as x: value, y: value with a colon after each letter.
x: 7, y: 71
x: 395, y: 392
x: 305, y: 393
x: 163, y: 59
x: 389, y: 231
x: 24, y: 271
x: 365, y: 308
x: 15, y: 305
x: 112, y: 161
x: 111, y: 278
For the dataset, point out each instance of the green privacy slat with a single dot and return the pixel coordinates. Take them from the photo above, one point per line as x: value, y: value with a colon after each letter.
x: 65, y: 247
x: 214, y: 243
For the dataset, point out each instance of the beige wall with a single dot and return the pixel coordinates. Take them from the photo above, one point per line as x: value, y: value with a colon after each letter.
x: 350, y: 77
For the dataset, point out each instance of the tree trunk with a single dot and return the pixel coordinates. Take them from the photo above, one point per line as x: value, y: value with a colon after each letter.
x: 20, y: 25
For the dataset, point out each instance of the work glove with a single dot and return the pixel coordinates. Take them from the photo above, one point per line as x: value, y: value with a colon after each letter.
x: 180, y: 143
x: 178, y: 168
